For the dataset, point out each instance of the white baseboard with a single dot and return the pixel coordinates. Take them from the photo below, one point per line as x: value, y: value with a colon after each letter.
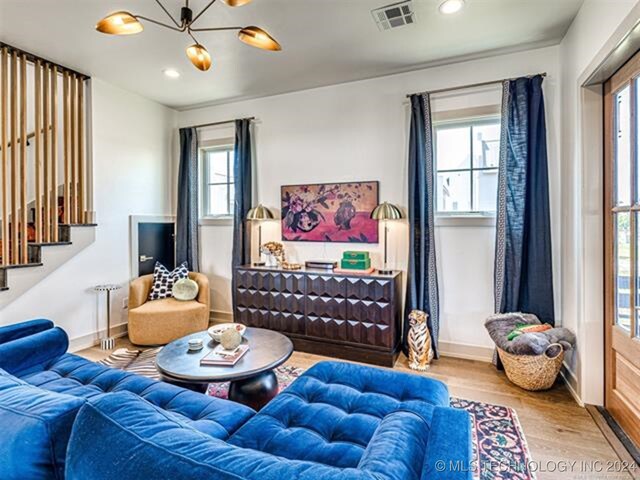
x: 93, y: 339
x: 572, y: 383
x: 466, y: 351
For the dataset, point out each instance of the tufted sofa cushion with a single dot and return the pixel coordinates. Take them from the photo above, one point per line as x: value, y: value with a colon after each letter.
x: 73, y: 375
x: 330, y: 413
x: 35, y: 430
x: 151, y: 443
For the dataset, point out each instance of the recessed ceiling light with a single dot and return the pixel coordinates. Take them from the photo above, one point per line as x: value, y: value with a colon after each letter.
x: 171, y: 73
x: 451, y: 6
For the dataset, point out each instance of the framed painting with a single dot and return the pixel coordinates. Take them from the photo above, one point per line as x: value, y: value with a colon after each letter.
x: 330, y: 212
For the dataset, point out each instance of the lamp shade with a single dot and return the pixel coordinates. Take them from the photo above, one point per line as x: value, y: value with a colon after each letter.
x: 259, y: 213
x: 119, y: 23
x: 257, y: 37
x: 386, y: 211
x: 199, y: 56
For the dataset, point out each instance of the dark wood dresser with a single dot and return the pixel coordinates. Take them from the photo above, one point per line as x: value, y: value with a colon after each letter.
x: 356, y: 317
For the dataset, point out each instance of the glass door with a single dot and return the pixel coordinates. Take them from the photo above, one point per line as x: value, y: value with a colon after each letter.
x: 622, y: 224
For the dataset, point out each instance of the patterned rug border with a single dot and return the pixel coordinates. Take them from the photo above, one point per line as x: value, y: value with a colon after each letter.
x: 142, y: 362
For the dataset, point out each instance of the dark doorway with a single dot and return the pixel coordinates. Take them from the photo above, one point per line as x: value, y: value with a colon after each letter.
x: 156, y: 243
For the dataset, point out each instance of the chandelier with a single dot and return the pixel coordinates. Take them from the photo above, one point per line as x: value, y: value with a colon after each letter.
x: 126, y: 23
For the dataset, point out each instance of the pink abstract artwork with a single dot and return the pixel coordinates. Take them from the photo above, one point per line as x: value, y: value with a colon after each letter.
x: 330, y: 212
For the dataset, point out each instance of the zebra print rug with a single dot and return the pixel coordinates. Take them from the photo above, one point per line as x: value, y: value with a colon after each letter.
x: 499, y: 447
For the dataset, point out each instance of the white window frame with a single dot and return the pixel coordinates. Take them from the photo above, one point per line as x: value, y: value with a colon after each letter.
x: 471, y: 217
x: 206, y: 218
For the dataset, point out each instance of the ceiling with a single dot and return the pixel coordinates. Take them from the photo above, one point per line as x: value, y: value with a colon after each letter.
x: 324, y: 42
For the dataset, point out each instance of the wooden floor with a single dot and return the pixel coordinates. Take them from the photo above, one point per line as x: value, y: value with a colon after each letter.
x: 564, y: 441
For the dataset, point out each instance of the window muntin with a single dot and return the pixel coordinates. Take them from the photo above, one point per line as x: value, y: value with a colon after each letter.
x: 467, y: 158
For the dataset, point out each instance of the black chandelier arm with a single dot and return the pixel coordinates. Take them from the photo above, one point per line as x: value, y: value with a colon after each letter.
x: 214, y: 29
x: 170, y: 27
x: 202, y: 11
x: 175, y: 22
x: 192, y: 37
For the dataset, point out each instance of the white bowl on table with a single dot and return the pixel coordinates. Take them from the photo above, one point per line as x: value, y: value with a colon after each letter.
x: 216, y: 331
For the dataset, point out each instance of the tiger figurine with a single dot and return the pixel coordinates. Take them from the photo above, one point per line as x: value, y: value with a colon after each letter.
x: 420, y: 351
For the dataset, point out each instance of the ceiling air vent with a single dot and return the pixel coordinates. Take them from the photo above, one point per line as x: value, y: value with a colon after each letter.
x: 394, y: 15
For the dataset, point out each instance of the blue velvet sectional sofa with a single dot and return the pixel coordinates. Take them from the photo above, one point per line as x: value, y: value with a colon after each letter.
x: 62, y: 416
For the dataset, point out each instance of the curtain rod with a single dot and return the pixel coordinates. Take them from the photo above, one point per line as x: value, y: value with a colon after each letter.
x: 213, y: 124
x: 472, y: 85
x: 34, y: 58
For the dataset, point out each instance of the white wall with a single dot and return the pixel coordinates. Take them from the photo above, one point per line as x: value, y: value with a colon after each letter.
x: 132, y: 160
x: 359, y: 131
x: 594, y: 32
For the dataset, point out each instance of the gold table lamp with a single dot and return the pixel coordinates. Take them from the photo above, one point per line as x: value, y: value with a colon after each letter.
x: 259, y: 214
x: 385, y: 212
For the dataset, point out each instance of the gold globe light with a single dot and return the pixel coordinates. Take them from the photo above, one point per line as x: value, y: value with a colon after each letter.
x: 199, y: 56
x: 257, y: 37
x: 236, y: 3
x: 119, y: 23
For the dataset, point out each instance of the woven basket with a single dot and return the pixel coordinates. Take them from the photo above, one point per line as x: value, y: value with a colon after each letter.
x: 532, y: 372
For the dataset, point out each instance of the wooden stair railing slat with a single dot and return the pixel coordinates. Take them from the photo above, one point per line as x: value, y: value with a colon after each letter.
x: 24, y: 248
x: 81, y: 166
x: 54, y: 153
x: 66, y: 142
x: 38, y: 150
x: 73, y: 207
x: 13, y: 122
x: 47, y: 156
x: 4, y: 81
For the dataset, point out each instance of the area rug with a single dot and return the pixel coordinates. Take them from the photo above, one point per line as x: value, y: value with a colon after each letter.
x: 499, y: 447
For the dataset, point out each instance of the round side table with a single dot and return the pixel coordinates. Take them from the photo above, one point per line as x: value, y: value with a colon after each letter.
x: 109, y: 342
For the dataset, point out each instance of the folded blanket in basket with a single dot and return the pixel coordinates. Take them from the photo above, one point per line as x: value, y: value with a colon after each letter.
x: 501, y: 325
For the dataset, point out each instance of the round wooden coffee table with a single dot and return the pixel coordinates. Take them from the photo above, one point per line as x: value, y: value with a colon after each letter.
x: 253, y: 381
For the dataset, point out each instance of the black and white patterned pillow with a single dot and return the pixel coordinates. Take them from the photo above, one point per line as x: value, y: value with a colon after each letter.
x: 163, y: 280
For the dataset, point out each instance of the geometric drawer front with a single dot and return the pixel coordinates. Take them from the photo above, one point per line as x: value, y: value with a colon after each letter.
x: 380, y: 313
x: 326, y: 327
x: 372, y: 289
x: 326, y: 285
x: 367, y: 333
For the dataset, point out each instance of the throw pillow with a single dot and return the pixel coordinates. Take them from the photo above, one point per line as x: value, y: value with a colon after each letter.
x: 185, y: 289
x: 163, y: 280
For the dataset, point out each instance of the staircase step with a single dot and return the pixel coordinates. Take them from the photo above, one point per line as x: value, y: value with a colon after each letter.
x: 36, y: 258
x: 22, y: 265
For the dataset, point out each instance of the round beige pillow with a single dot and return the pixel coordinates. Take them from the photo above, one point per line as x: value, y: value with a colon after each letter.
x: 185, y: 289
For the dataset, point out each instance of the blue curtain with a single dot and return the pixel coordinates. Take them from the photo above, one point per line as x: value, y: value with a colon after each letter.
x: 422, y: 278
x: 187, y: 214
x: 523, y: 270
x: 243, y: 189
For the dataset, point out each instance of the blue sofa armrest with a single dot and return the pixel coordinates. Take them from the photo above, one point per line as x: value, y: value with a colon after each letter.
x: 397, y: 448
x: 36, y: 425
x: 449, y: 449
x: 34, y: 352
x: 24, y: 329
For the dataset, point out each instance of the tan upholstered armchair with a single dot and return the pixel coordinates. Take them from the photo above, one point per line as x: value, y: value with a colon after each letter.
x: 159, y: 322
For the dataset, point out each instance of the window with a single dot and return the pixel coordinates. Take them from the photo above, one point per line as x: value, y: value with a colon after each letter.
x: 467, y: 156
x: 218, y: 183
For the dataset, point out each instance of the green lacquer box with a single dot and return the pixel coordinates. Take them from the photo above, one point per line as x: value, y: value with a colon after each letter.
x: 351, y: 264
x: 354, y: 255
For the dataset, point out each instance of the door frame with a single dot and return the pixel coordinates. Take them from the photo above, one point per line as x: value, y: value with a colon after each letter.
x: 616, y: 338
x: 134, y: 220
